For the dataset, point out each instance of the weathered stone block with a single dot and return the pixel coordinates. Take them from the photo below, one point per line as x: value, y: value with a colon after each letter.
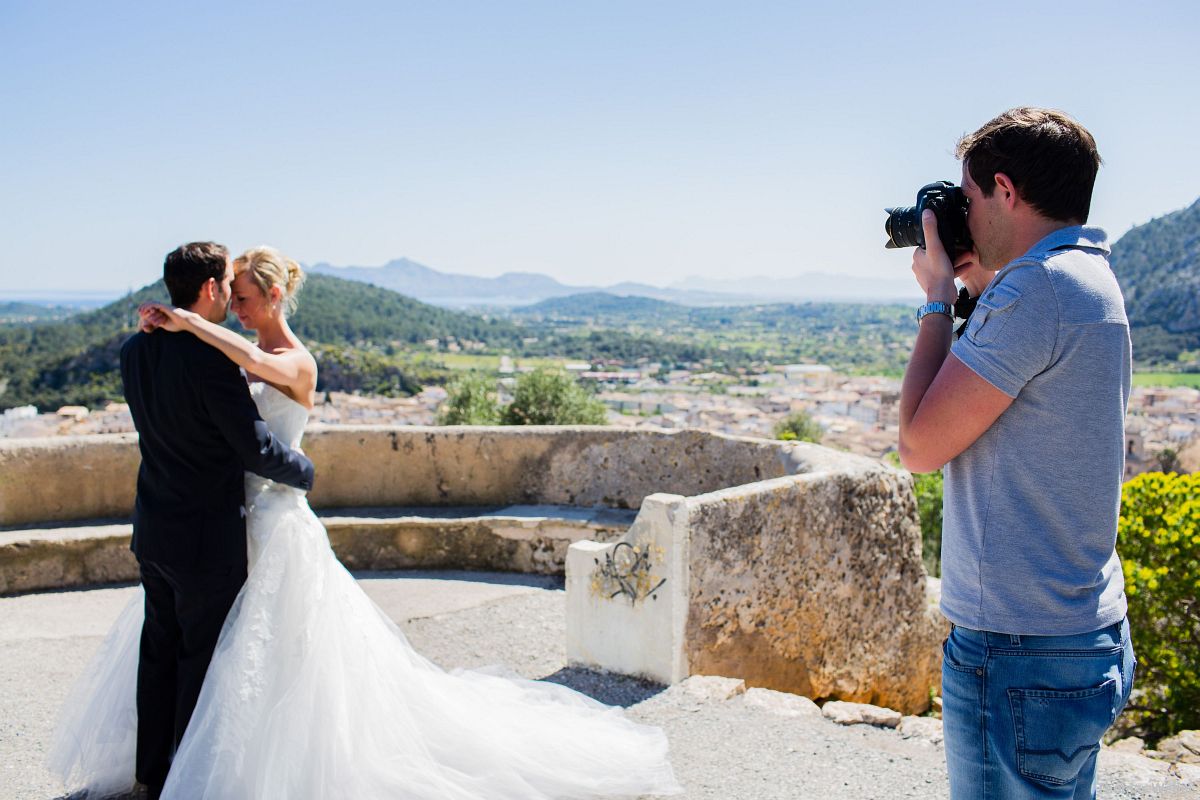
x: 625, y: 600
x: 813, y: 584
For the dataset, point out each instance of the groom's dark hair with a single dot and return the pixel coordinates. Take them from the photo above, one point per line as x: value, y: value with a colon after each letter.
x: 188, y: 266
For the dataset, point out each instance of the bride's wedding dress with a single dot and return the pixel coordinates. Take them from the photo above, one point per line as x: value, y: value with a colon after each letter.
x: 314, y: 693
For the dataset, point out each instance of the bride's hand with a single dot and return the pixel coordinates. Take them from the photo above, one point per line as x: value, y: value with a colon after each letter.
x: 157, y: 315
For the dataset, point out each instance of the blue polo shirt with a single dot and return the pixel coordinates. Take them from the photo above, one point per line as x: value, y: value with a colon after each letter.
x: 1030, y: 509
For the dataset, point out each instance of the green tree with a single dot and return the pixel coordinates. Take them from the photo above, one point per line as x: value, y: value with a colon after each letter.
x: 800, y: 427
x: 1158, y: 537
x: 552, y: 397
x: 471, y: 401
x: 1168, y: 460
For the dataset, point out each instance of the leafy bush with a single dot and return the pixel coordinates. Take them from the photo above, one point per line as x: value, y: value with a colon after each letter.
x: 1159, y: 544
x: 551, y: 397
x: 471, y: 401
x: 800, y: 427
x: 542, y: 397
x: 927, y: 488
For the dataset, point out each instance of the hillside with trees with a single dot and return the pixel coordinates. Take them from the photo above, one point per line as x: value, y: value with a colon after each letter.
x: 365, y: 338
x: 1158, y: 267
x: 354, y: 329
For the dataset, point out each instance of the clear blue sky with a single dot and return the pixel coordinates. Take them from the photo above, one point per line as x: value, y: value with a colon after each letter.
x: 595, y: 142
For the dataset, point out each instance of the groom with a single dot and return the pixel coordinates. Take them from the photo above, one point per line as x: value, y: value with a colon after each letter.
x: 198, y: 431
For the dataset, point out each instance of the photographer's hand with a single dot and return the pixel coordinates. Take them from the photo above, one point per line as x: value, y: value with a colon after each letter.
x: 932, y: 266
x: 944, y: 406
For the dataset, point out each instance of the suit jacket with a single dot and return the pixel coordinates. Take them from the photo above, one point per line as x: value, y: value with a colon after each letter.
x: 199, y: 431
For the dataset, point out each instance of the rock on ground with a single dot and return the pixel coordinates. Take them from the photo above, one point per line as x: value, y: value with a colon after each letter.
x: 712, y: 688
x: 1183, y: 746
x: 860, y: 714
x: 782, y: 703
x: 927, y: 728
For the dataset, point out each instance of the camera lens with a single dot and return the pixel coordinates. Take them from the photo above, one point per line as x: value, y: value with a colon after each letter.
x: 903, y: 226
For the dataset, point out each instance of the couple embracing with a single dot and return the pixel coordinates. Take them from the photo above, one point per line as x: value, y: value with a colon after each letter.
x: 250, y: 664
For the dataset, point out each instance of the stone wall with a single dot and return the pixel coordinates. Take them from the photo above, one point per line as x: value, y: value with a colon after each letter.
x: 72, y: 478
x: 67, y: 477
x: 788, y: 565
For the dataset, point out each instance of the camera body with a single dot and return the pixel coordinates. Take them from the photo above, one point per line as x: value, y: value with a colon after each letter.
x: 948, y: 203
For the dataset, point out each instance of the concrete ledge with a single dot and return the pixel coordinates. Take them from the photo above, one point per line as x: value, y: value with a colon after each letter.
x: 531, y: 539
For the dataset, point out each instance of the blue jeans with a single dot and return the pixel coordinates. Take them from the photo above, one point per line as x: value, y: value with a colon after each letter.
x: 1023, y: 715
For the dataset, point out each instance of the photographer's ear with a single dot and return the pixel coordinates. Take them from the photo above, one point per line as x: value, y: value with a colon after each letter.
x: 1005, y: 190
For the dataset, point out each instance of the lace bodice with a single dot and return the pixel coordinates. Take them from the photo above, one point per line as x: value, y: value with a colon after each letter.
x: 268, y: 503
x: 284, y: 416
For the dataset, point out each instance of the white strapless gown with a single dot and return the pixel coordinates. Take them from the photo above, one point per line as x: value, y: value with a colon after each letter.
x: 314, y: 693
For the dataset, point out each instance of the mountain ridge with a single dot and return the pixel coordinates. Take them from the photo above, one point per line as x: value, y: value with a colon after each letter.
x: 430, y: 285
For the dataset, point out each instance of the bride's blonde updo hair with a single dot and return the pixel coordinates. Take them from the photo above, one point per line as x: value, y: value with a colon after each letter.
x: 268, y: 267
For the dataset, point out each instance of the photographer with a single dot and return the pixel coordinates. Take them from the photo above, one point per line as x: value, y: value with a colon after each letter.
x: 1025, y: 411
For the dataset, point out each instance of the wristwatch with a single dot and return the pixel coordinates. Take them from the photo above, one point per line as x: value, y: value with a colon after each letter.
x: 936, y: 307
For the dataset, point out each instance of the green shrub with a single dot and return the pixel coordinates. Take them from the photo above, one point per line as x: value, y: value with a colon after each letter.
x: 800, y: 427
x: 927, y: 488
x: 471, y: 400
x: 552, y: 397
x: 1159, y: 544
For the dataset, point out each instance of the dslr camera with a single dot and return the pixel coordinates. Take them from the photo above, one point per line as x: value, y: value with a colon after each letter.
x: 948, y: 203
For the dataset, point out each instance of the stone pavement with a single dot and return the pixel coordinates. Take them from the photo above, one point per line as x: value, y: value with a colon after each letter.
x: 722, y: 748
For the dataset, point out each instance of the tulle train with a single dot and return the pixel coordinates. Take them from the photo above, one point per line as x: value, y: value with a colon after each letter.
x: 314, y: 693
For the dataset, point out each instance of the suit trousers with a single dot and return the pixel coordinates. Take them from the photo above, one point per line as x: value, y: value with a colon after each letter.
x: 184, y: 615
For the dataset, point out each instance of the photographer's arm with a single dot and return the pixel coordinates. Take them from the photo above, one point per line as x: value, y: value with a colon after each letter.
x: 944, y: 406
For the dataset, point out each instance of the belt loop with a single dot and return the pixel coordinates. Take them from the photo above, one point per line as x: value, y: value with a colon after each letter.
x: 1014, y: 640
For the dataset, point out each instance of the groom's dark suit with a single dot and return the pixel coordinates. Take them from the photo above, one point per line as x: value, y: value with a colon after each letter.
x: 198, y: 432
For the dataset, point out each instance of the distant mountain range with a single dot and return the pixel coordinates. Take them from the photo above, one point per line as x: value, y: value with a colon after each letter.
x: 49, y: 361
x: 524, y: 288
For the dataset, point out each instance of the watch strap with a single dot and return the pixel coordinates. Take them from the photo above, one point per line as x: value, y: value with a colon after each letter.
x: 936, y: 307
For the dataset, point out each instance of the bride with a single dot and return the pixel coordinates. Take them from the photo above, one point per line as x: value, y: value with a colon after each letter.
x: 313, y: 692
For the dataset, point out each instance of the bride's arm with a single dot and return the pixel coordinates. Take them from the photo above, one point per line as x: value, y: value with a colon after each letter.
x: 292, y: 368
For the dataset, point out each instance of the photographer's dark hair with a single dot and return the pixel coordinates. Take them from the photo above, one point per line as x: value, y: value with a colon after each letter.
x: 1051, y: 159
x: 188, y: 266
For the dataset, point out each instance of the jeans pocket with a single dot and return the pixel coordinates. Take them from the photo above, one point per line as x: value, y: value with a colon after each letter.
x: 1057, y: 732
x: 953, y: 659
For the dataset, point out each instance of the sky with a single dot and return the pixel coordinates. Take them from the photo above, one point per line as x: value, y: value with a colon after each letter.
x: 595, y: 142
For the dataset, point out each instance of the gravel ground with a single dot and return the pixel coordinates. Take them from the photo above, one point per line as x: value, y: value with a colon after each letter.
x: 721, y: 750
